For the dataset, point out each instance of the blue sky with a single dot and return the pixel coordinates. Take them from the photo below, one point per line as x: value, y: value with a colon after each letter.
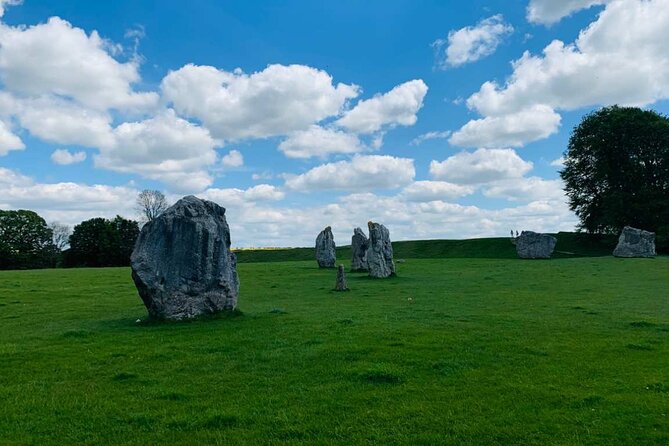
x: 440, y: 119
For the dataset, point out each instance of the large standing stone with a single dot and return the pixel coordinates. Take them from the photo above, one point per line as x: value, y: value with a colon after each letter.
x: 635, y: 243
x: 326, y: 255
x: 341, y: 284
x: 380, y: 251
x: 182, y: 264
x: 532, y: 245
x: 359, y: 246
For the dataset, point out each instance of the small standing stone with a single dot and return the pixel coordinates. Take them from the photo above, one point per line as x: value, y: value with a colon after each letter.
x: 380, y: 252
x: 359, y: 246
x: 326, y: 255
x: 635, y: 243
x: 532, y: 245
x: 341, y: 284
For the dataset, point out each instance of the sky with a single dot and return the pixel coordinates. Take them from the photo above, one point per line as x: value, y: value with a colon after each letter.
x: 439, y: 119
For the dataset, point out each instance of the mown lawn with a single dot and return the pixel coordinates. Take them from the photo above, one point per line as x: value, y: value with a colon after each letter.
x: 453, y: 351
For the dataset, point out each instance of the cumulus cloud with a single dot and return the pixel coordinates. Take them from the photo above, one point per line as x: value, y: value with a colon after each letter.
x: 320, y: 142
x: 65, y: 157
x: 239, y: 197
x: 547, y: 12
x: 64, y: 122
x: 527, y: 190
x: 559, y: 162
x: 423, y: 191
x: 57, y: 58
x: 360, y: 173
x: 165, y: 148
x: 603, y: 66
x: 472, y: 43
x: 396, y: 107
x: 428, y: 136
x: 481, y: 166
x: 8, y: 140
x: 276, y: 101
x: 513, y: 129
x: 234, y: 158
x: 5, y: 3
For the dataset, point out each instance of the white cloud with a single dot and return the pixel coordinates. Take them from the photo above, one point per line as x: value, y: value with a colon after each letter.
x: 361, y: 173
x: 64, y: 122
x: 276, y: 101
x: 472, y: 43
x: 239, y: 197
x: 8, y: 140
x: 319, y: 142
x: 558, y: 162
x: 396, y: 107
x: 547, y: 12
x: 165, y: 148
x: 428, y: 136
x: 233, y: 159
x: 5, y: 3
x: 423, y: 191
x: 57, y: 58
x: 620, y: 58
x: 65, y: 157
x: 67, y: 203
x: 481, y: 166
x: 513, y: 129
x: 527, y: 190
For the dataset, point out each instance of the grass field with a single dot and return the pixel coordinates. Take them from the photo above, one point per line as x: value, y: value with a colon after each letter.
x: 471, y: 351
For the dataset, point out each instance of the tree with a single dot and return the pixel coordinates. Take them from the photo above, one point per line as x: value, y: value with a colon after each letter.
x: 101, y: 242
x: 617, y: 171
x: 61, y: 235
x: 25, y: 241
x: 151, y: 203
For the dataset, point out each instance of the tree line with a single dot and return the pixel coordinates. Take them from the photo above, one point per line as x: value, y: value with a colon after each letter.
x: 28, y: 242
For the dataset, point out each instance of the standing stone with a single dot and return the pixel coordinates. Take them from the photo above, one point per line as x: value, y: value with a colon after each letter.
x: 182, y: 264
x: 532, y: 245
x: 380, y: 251
x: 635, y: 243
x: 359, y: 246
x: 341, y: 284
x: 326, y: 255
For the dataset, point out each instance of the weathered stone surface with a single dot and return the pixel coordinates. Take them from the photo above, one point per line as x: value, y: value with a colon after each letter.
x: 182, y: 264
x: 326, y: 255
x: 359, y: 246
x: 341, y: 284
x: 635, y: 243
x: 380, y: 251
x: 532, y: 245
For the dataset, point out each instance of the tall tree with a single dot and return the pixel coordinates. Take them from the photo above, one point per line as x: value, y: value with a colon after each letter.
x: 61, y: 235
x: 617, y: 170
x: 25, y: 241
x: 151, y: 203
x: 101, y: 242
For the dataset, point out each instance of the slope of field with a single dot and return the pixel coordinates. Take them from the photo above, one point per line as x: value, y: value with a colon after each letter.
x: 570, y: 351
x: 569, y: 245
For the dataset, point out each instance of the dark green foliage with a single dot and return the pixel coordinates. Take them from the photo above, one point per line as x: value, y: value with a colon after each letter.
x: 101, y: 242
x: 617, y: 171
x: 25, y: 241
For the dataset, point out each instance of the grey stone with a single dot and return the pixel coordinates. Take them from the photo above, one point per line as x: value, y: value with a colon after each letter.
x: 359, y: 246
x: 380, y: 252
x: 182, y: 264
x: 635, y: 243
x: 326, y: 255
x: 532, y: 245
x: 341, y: 284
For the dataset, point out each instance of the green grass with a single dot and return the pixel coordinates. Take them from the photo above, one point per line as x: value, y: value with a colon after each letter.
x: 463, y: 351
